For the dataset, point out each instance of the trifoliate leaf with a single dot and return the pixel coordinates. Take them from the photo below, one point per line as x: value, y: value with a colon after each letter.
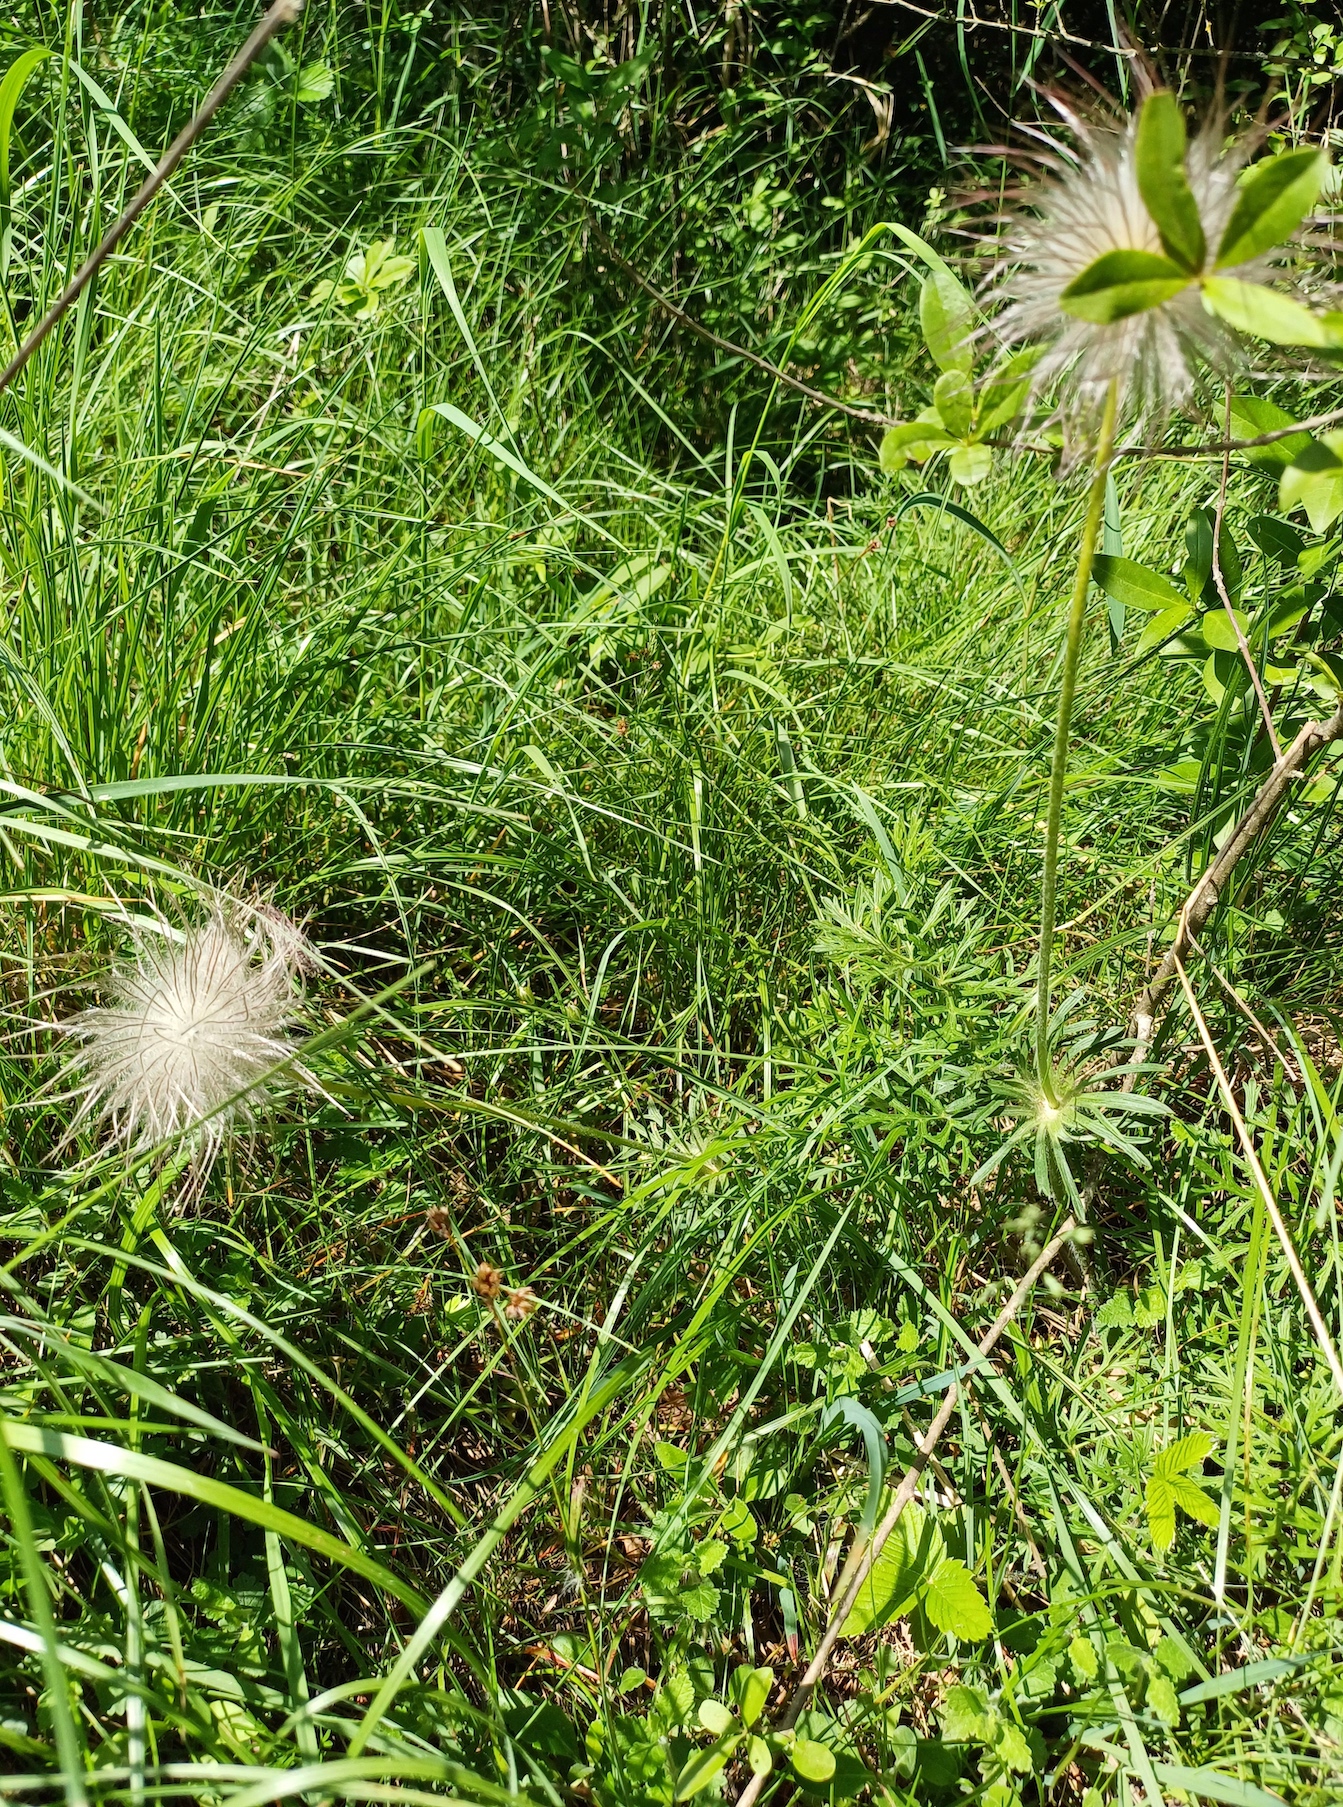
x: 953, y: 1603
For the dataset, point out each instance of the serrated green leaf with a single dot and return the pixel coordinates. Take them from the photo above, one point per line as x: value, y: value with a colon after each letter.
x: 964, y: 1715
x: 1191, y: 1498
x: 913, y: 1548
x: 315, y: 82
x: 1186, y: 1452
x: 698, y: 1602
x: 709, y: 1555
x: 1162, y: 1700
x: 1134, y: 585
x: 1159, y: 158
x: 1264, y: 313
x: 1161, y: 1512
x: 946, y: 317
x: 953, y: 1603
x: 1116, y: 1313
x: 1082, y: 1656
x: 1122, y: 283
x: 1011, y: 1748
x: 1270, y: 204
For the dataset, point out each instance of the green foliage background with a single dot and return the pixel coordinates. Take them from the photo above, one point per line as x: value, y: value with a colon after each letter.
x: 674, y: 871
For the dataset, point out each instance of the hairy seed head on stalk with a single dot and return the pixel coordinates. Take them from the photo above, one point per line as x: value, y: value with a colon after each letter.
x: 1089, y: 206
x: 194, y: 1026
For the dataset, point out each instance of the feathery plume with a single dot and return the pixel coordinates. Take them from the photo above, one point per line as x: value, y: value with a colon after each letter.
x: 195, y: 1025
x: 1085, y: 211
x: 1140, y: 261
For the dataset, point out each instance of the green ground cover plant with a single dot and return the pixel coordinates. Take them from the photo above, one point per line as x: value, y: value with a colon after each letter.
x: 658, y: 762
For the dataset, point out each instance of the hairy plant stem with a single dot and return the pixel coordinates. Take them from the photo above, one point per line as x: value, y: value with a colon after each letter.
x: 1059, y: 769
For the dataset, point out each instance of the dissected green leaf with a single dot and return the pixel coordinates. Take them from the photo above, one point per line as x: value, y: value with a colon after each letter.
x: 1271, y: 203
x: 964, y: 1715
x: 1159, y: 158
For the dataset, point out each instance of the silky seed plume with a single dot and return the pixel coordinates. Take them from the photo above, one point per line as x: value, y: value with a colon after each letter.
x: 195, y: 1026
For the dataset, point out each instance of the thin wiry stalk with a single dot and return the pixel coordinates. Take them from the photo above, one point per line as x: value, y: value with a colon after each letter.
x: 1059, y: 770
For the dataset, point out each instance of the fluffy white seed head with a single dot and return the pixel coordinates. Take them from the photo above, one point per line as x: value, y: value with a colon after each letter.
x: 192, y: 1030
x: 1090, y: 205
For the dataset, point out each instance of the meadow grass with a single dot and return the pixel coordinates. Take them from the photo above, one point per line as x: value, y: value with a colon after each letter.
x: 671, y: 844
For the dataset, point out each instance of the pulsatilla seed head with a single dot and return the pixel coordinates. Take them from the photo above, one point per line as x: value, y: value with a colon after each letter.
x: 193, y: 1030
x: 520, y: 1304
x: 488, y: 1281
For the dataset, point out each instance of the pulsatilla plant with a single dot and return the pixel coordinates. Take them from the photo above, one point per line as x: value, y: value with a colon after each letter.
x: 1138, y: 268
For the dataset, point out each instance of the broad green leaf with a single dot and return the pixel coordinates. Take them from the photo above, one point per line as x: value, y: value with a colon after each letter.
x: 953, y: 1602
x: 947, y: 317
x: 759, y: 1757
x: 1159, y: 154
x: 1314, y: 481
x: 715, y: 1717
x: 813, y: 1762
x: 954, y: 399
x: 1264, y: 313
x: 1276, y: 540
x: 698, y: 1602
x: 1271, y: 203
x: 750, y: 1691
x: 1254, y: 415
x: 970, y: 464
x: 1161, y: 627
x: 709, y: 1555
x: 913, y: 1548
x: 917, y: 439
x: 702, y: 1767
x: 1122, y: 283
x: 1212, y: 1785
x: 1218, y: 632
x: 1005, y: 392
x: 1135, y: 585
